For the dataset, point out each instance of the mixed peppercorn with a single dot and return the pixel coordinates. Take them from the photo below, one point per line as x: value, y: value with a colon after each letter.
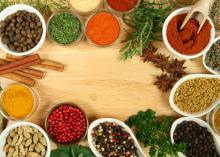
x: 67, y: 124
x: 111, y: 140
x: 199, y: 140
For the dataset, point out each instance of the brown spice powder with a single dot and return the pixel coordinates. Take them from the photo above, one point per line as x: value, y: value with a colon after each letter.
x: 196, y: 95
x: 217, y: 120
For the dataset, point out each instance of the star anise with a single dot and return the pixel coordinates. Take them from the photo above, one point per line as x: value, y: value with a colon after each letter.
x: 164, y: 82
x: 162, y: 62
x: 176, y: 68
x: 149, y: 54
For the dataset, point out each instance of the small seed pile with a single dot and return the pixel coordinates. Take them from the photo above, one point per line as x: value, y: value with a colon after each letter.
x: 212, y: 59
x: 25, y: 141
x: 199, y: 141
x: 21, y: 31
x: 215, y: 13
x: 198, y: 94
x: 111, y: 140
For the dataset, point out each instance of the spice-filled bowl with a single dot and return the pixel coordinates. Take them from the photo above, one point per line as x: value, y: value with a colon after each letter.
x: 65, y: 28
x: 213, y: 119
x: 108, y: 131
x: 85, y: 7
x: 24, y: 139
x: 211, y: 59
x: 103, y: 29
x: 122, y: 6
x: 197, y: 135
x: 195, y: 95
x: 66, y: 124
x: 18, y: 102
x: 187, y: 43
x: 23, y: 30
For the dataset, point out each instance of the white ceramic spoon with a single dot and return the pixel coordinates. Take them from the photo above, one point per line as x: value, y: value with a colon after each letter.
x: 120, y: 123
x: 198, y: 121
x: 180, y: 82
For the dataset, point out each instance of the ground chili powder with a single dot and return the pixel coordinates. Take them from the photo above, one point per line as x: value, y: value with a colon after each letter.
x: 103, y: 28
x: 122, y: 5
x: 188, y: 41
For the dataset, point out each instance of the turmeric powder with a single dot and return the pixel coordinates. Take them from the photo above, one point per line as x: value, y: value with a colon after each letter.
x: 18, y: 101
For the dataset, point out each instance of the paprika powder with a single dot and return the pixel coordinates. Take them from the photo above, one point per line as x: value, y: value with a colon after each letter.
x: 103, y: 29
x: 187, y: 40
x: 122, y: 5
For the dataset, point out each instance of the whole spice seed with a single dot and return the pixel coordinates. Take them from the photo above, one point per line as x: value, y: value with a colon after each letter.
x: 111, y: 140
x: 217, y: 120
x: 212, y: 59
x: 188, y: 41
x: 196, y: 95
x: 103, y: 29
x: 21, y: 31
x: 65, y: 28
x: 199, y: 141
x: 215, y: 13
x: 122, y: 5
x: 85, y: 6
x: 67, y: 124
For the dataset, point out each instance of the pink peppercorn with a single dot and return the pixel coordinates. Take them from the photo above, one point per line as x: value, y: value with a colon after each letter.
x: 67, y: 124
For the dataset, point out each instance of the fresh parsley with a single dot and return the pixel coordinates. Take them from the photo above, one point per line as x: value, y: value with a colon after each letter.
x: 154, y: 132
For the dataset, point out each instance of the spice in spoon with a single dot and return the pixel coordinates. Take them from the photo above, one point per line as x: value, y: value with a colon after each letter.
x: 65, y: 28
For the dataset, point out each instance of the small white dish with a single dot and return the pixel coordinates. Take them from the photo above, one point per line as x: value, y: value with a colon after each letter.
x: 5, y: 134
x: 170, y: 48
x: 180, y: 82
x: 204, y: 57
x: 198, y: 121
x: 14, y: 8
x: 120, y: 123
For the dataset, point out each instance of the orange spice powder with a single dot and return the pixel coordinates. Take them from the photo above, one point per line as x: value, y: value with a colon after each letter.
x: 188, y: 41
x: 103, y: 29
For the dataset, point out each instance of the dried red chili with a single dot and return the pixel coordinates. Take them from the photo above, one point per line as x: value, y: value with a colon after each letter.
x: 187, y: 40
x: 122, y: 5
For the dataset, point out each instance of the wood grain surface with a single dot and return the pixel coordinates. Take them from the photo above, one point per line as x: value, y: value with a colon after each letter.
x: 99, y: 82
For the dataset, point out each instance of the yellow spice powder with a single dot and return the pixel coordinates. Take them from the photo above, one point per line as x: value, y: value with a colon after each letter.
x: 217, y: 120
x: 18, y: 101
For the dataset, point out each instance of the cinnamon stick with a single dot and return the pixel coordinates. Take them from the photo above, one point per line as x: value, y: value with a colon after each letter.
x: 19, y: 78
x: 45, y: 63
x: 20, y: 64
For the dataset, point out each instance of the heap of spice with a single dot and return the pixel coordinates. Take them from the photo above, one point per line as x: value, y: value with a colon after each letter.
x: 21, y: 31
x: 196, y: 95
x: 65, y: 28
x: 111, y: 140
x: 217, y: 120
x: 18, y: 101
x: 67, y: 124
x: 212, y: 59
x: 187, y: 40
x: 122, y: 5
x: 25, y: 141
x: 215, y: 13
x: 85, y: 6
x: 103, y: 29
x: 199, y: 141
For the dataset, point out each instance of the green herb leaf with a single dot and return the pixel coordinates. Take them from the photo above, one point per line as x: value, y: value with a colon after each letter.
x: 154, y: 132
x: 59, y: 153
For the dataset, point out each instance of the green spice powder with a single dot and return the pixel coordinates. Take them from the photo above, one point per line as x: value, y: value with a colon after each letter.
x: 65, y: 28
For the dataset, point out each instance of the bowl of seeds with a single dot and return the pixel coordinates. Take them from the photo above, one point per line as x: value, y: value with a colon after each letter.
x: 24, y: 139
x: 195, y: 95
x: 197, y: 135
x: 111, y: 137
x: 22, y: 30
x: 211, y: 60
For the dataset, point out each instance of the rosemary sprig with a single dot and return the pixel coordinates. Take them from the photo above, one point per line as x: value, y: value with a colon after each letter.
x: 146, y: 22
x: 46, y: 7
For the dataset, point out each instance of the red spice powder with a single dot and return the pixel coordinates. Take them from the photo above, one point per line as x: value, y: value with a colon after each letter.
x: 103, y: 29
x: 188, y: 41
x: 122, y: 5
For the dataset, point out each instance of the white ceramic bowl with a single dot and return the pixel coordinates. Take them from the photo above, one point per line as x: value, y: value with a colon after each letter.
x: 5, y: 134
x: 170, y: 48
x: 198, y: 121
x: 204, y: 63
x: 189, y: 77
x: 103, y: 120
x: 14, y: 8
